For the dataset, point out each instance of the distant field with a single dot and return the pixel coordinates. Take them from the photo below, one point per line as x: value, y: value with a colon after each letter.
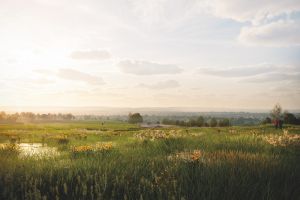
x: 90, y: 160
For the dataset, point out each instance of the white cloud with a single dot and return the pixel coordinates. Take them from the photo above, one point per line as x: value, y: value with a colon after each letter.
x: 169, y: 84
x: 90, y: 55
x: 175, y: 32
x: 279, y: 33
x: 268, y: 27
x: 260, y: 73
x: 162, y: 11
x: 73, y: 75
x: 265, y: 17
x: 147, y: 68
x: 255, y: 11
x: 242, y: 71
x: 275, y: 77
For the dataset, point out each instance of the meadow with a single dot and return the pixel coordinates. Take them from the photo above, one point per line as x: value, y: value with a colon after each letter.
x: 114, y: 160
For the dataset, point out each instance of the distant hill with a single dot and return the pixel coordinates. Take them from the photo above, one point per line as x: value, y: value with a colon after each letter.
x: 160, y: 111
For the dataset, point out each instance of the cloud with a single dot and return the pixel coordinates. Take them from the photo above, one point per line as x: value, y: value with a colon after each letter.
x: 254, y: 11
x: 90, y: 55
x: 162, y: 11
x: 267, y: 26
x: 274, y: 77
x: 243, y: 71
x: 261, y: 73
x: 147, y: 68
x: 279, y: 33
x: 169, y: 84
x: 73, y: 75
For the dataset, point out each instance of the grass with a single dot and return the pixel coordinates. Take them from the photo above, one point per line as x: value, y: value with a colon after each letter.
x: 123, y: 161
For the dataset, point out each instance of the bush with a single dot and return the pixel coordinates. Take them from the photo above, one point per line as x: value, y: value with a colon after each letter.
x: 213, y: 122
x: 9, y: 150
x: 135, y: 118
x: 224, y: 122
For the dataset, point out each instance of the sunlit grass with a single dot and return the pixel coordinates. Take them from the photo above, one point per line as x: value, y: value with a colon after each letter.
x: 114, y: 161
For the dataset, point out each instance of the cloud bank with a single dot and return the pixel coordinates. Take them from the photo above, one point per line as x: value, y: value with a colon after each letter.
x: 279, y: 33
x: 242, y: 71
x: 73, y: 75
x: 254, y: 11
x: 147, y: 68
x: 257, y: 73
x: 271, y: 22
x: 275, y: 77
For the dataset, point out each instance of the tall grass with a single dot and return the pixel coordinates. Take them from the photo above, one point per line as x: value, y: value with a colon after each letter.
x: 231, y: 166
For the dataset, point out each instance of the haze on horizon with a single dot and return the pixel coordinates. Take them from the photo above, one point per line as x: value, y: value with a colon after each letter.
x: 235, y: 54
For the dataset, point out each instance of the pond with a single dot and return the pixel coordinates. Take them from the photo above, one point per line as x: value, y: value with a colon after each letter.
x: 35, y: 150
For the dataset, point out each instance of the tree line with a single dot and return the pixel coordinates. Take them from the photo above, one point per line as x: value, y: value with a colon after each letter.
x: 199, y: 122
x: 277, y: 117
x: 288, y: 118
x: 29, y: 116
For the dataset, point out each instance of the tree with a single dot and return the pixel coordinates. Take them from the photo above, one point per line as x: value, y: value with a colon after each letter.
x: 68, y: 116
x: 192, y: 122
x: 2, y: 115
x: 27, y: 116
x: 276, y: 116
x: 200, y: 121
x: 289, y: 118
x: 224, y: 122
x: 13, y: 117
x: 135, y: 118
x: 267, y: 120
x: 213, y: 122
x: 276, y: 112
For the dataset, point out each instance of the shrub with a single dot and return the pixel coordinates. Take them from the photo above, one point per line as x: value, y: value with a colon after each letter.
x: 135, y: 118
x: 9, y: 150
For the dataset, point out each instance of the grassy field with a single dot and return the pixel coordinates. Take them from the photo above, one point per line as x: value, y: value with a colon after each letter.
x: 123, y: 161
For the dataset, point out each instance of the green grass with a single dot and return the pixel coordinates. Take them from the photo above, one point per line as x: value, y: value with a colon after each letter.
x: 235, y: 163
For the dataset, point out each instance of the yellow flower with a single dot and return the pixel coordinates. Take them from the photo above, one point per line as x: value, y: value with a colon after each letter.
x: 79, y: 149
x: 196, y: 155
x: 103, y: 146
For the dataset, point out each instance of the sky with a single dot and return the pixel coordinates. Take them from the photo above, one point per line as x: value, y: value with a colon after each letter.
x: 150, y: 53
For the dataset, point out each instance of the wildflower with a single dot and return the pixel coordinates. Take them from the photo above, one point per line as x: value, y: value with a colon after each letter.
x: 81, y: 149
x: 103, y: 146
x: 96, y: 148
x: 187, y: 156
x: 283, y: 140
x: 196, y: 155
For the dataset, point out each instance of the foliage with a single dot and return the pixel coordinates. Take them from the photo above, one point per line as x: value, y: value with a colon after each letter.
x: 122, y: 161
x: 224, y: 122
x: 198, y: 122
x: 135, y: 118
x: 267, y: 120
x: 30, y: 117
x: 289, y: 118
x: 10, y: 150
x: 276, y: 112
x: 213, y: 122
x: 61, y: 139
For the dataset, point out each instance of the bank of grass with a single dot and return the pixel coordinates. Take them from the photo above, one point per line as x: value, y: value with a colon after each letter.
x: 234, y: 163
